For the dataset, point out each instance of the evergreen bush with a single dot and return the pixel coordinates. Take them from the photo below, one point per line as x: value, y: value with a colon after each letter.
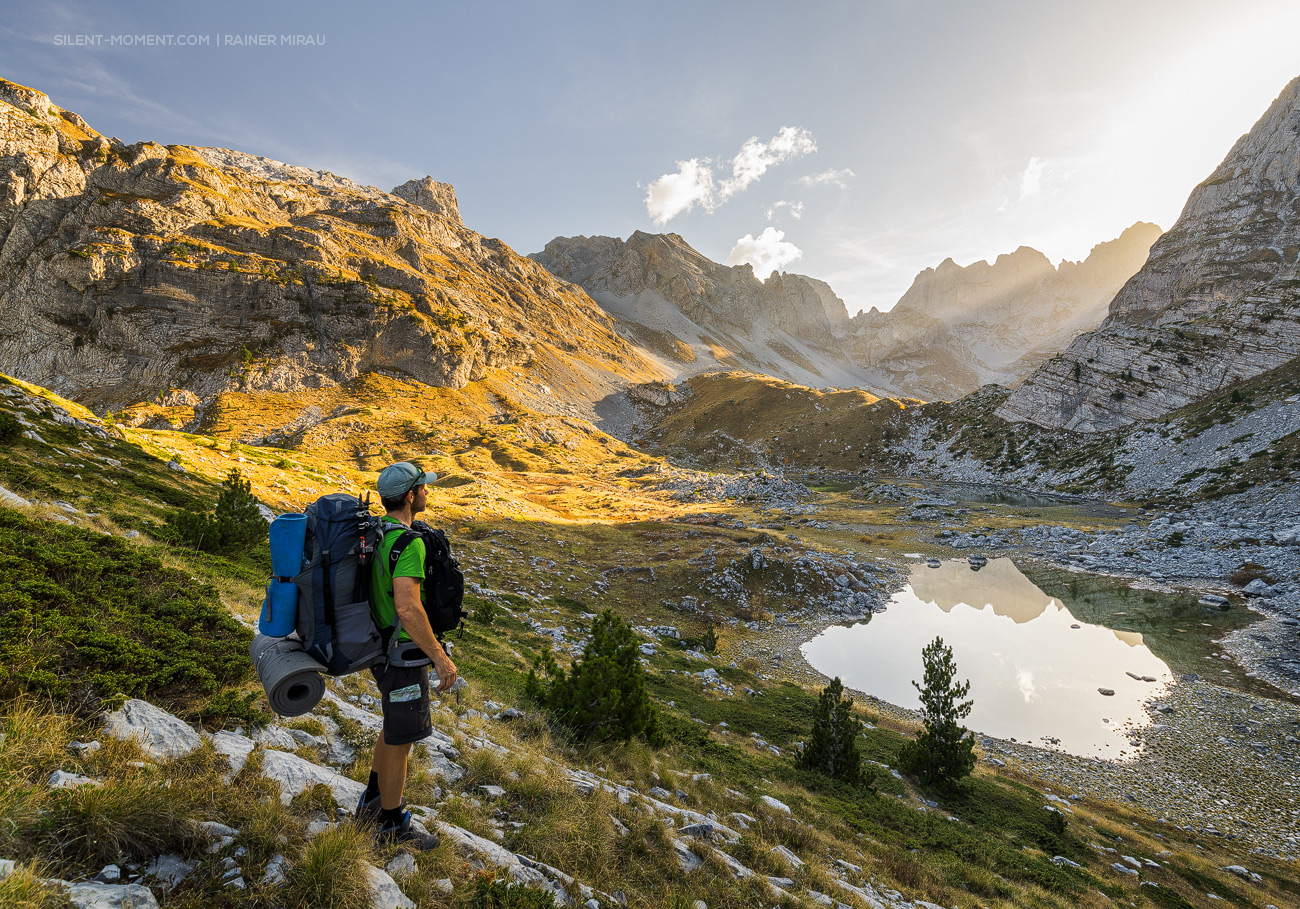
x: 10, y: 428
x: 235, y: 523
x: 710, y: 641
x: 832, y: 748
x: 944, y: 752
x: 603, y: 695
x: 485, y: 612
x: 85, y: 616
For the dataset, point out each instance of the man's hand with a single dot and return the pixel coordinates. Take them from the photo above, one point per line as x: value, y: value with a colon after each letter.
x: 406, y: 596
x: 445, y: 668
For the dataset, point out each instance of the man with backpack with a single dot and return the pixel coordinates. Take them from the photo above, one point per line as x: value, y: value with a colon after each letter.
x: 398, y: 598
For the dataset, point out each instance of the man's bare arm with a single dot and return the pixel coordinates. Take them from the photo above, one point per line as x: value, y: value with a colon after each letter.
x: 406, y: 594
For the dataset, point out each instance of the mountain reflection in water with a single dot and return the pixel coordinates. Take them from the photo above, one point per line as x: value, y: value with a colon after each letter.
x: 1033, y: 676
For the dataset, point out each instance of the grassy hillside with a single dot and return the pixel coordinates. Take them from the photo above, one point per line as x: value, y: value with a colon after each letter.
x: 553, y: 521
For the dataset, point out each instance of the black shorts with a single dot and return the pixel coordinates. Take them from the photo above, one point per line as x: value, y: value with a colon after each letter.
x: 406, y: 702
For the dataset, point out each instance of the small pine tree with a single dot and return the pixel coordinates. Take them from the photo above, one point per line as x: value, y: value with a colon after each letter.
x: 603, y: 696
x: 944, y: 752
x: 710, y: 640
x: 832, y: 748
x: 234, y: 523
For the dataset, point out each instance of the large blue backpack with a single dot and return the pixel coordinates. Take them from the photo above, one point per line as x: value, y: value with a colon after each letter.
x: 335, y: 623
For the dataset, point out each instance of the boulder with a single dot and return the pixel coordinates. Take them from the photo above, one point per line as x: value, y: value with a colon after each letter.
x: 470, y: 843
x: 12, y: 500
x: 62, y: 779
x: 169, y: 870
x: 235, y: 749
x: 296, y: 775
x: 441, y: 766
x: 275, y: 869
x: 274, y: 737
x: 94, y: 895
x: 687, y: 859
x: 1259, y: 588
x: 368, y: 721
x: 384, y: 892
x: 775, y: 804
x: 792, y: 860
x: 403, y: 865
x: 159, y: 734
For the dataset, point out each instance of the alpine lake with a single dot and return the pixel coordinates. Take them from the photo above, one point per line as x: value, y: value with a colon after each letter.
x: 1057, y: 659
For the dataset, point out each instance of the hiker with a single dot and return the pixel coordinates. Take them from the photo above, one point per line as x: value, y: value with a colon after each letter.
x: 400, y: 594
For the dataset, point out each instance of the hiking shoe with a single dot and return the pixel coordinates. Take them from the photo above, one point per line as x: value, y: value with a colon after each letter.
x: 406, y: 834
x: 368, y: 810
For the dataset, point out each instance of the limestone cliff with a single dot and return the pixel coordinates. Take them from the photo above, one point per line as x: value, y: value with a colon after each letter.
x: 1217, y: 302
x: 127, y: 271
x: 698, y: 314
x: 959, y: 328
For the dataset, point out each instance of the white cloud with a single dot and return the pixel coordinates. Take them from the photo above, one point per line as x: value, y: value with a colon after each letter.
x: 1031, y: 181
x: 672, y: 194
x: 794, y: 208
x: 833, y: 177
x: 767, y: 253
x: 694, y: 183
x: 756, y: 157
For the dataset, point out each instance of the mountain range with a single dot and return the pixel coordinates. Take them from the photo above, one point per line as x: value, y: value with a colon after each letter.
x: 953, y: 331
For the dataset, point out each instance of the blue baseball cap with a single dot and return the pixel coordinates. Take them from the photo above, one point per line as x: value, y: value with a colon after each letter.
x: 400, y: 478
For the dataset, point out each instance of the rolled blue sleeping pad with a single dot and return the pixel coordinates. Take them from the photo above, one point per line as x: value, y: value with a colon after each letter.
x: 279, y: 610
x: 288, y: 534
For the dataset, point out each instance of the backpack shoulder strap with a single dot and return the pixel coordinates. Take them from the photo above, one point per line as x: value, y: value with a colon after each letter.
x: 399, y: 548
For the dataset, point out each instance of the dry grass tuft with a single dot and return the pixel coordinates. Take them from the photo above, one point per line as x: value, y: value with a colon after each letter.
x: 25, y: 888
x: 331, y: 870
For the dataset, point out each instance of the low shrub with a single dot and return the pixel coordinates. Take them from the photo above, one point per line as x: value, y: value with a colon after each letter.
x: 85, y: 616
x: 10, y: 428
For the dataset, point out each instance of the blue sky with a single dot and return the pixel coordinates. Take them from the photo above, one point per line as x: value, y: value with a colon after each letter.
x: 873, y: 139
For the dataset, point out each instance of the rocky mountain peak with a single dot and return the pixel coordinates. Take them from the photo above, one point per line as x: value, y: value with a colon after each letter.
x: 429, y: 194
x: 1214, y: 304
x: 700, y: 313
x: 128, y: 273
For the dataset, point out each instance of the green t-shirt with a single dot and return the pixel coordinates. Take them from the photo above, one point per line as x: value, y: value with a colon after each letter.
x: 410, y: 565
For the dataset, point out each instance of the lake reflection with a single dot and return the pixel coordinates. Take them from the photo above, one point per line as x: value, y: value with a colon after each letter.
x: 1033, y: 675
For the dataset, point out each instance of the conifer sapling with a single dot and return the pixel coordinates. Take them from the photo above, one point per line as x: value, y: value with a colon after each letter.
x: 832, y: 748
x: 944, y: 752
x: 603, y: 695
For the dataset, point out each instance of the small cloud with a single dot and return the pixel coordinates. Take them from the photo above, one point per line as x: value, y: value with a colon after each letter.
x: 694, y: 183
x: 672, y: 194
x: 756, y: 157
x: 832, y: 177
x: 795, y: 209
x: 767, y: 253
x: 1031, y: 181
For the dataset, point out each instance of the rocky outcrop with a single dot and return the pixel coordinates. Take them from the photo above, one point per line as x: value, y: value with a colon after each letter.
x: 429, y: 194
x: 959, y: 328
x: 697, y: 314
x: 127, y: 271
x: 1218, y: 301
